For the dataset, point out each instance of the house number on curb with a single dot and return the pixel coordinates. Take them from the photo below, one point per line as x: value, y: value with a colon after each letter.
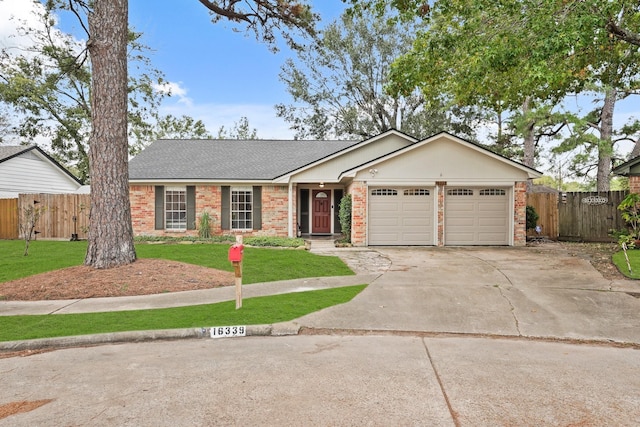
x: 595, y: 200
x: 228, y: 331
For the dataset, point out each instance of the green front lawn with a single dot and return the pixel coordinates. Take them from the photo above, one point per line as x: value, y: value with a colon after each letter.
x: 634, y: 259
x: 254, y: 311
x: 260, y: 264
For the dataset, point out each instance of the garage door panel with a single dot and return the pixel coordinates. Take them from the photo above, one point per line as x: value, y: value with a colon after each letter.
x: 400, y: 216
x: 415, y: 238
x: 476, y: 216
x: 415, y: 222
x: 460, y: 222
x: 492, y: 222
x: 382, y: 208
x: 386, y: 223
x: 491, y: 207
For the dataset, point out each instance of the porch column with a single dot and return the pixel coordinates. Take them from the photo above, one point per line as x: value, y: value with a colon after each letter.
x: 290, y: 211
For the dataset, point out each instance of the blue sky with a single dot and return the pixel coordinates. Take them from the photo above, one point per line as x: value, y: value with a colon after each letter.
x: 221, y: 75
x: 218, y: 75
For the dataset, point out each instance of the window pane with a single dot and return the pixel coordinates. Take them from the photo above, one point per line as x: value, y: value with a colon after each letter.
x: 241, y: 208
x: 175, y: 209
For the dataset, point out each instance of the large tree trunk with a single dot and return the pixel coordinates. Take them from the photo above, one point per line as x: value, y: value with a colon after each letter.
x: 110, y: 231
x: 529, y: 156
x: 605, y: 150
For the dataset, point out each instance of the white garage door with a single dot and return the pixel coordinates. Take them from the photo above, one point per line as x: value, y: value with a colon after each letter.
x: 400, y: 216
x: 476, y: 216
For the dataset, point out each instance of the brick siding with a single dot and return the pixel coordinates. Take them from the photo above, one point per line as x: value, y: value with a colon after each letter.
x: 520, y: 214
x: 275, y: 211
x: 142, y: 199
x: 358, y: 191
x: 208, y: 198
x: 634, y: 184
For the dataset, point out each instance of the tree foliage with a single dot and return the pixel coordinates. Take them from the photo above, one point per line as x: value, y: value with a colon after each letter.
x: 266, y: 19
x: 48, y: 85
x: 240, y: 130
x: 184, y: 127
x: 338, y: 85
x: 519, y: 56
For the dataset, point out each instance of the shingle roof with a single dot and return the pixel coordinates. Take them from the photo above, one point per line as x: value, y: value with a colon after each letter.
x: 222, y: 159
x: 8, y: 151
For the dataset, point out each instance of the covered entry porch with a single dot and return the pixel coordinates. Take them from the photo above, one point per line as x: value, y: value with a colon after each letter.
x: 318, y: 209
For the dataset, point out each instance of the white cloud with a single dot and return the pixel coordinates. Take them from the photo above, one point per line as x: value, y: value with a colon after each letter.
x: 174, y: 89
x: 14, y: 14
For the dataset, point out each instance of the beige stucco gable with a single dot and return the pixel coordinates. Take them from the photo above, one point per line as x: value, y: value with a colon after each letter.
x: 443, y: 158
x: 329, y: 170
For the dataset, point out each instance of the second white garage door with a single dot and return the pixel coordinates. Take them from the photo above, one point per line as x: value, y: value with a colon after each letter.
x: 476, y: 216
x: 401, y: 216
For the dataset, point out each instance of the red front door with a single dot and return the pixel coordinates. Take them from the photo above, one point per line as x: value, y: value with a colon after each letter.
x: 321, y: 212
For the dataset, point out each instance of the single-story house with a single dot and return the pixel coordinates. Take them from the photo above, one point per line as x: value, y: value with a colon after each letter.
x: 29, y: 169
x: 442, y: 190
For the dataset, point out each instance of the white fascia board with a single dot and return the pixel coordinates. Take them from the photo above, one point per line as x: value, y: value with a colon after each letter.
x: 287, y: 177
x: 531, y: 173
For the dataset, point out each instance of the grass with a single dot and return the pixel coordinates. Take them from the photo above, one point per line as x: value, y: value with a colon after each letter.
x: 254, y: 311
x: 634, y: 259
x: 260, y: 264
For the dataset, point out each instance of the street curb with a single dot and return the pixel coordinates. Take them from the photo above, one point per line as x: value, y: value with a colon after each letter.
x: 140, y: 336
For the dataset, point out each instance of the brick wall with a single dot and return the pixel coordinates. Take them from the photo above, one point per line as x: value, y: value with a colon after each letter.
x: 275, y: 211
x: 358, y: 191
x: 634, y: 184
x: 142, y: 199
x: 520, y: 214
x: 208, y: 198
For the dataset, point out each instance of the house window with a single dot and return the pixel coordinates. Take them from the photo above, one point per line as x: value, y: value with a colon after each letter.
x: 493, y: 192
x: 384, y: 192
x: 175, y: 208
x: 241, y: 208
x: 416, y: 192
x: 460, y: 192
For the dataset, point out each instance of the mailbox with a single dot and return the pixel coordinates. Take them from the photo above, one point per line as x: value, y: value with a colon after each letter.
x: 235, y: 253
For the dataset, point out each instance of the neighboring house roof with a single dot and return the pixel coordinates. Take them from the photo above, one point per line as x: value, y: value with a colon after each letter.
x: 630, y: 167
x: 224, y: 159
x: 8, y: 152
x: 538, y: 188
x: 28, y: 169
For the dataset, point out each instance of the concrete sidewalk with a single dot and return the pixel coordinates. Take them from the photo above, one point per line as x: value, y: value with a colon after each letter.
x: 178, y: 299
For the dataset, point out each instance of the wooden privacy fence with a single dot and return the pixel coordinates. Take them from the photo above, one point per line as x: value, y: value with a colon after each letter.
x: 578, y: 216
x: 8, y: 218
x: 590, y: 216
x: 63, y: 215
x: 546, y: 206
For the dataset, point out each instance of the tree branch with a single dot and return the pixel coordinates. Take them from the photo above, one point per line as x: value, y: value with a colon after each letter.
x: 623, y: 34
x: 227, y: 12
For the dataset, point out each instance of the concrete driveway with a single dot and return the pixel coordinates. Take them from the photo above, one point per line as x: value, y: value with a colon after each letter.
x: 529, y: 292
